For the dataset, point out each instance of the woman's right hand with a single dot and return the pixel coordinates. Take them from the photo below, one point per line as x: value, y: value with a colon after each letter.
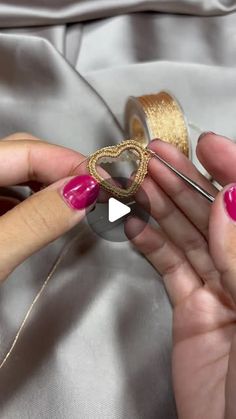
x: 50, y: 212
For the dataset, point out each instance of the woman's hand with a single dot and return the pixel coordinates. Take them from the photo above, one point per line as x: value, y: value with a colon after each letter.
x: 47, y: 214
x: 195, y: 251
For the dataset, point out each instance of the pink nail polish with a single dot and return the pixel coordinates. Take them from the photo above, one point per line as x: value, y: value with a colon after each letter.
x: 230, y: 202
x: 81, y: 192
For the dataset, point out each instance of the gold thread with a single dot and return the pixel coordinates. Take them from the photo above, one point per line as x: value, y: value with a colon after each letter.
x: 157, y: 116
x: 36, y: 298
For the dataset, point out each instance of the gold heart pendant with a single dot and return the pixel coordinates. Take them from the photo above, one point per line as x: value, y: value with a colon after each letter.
x: 112, y: 152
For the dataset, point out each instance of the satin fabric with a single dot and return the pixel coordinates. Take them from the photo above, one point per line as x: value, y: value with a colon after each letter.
x: 98, y: 343
x: 22, y: 12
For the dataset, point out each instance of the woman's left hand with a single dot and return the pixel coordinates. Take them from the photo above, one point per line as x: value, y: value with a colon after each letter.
x: 50, y: 212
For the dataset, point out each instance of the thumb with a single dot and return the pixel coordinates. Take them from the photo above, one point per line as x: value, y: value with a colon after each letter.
x: 222, y: 237
x: 42, y: 218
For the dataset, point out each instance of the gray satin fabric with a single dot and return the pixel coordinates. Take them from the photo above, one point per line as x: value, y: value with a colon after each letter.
x: 98, y: 344
x: 22, y: 12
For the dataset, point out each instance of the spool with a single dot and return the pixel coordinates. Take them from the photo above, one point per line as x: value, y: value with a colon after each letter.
x: 157, y: 116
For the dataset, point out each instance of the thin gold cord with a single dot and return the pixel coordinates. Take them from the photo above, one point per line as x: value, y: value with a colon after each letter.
x: 38, y: 295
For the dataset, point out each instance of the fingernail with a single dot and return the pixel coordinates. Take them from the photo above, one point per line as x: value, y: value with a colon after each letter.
x: 204, y: 134
x: 230, y: 202
x: 155, y: 140
x: 81, y: 192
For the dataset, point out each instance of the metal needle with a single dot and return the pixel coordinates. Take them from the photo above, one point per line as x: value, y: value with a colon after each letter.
x: 189, y: 181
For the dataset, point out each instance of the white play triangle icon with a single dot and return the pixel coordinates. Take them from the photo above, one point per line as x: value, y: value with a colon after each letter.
x: 116, y: 210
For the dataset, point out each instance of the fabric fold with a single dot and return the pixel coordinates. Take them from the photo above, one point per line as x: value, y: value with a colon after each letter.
x: 98, y: 342
x: 26, y: 13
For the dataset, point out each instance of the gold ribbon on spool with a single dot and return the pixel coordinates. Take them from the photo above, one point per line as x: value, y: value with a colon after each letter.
x: 157, y: 116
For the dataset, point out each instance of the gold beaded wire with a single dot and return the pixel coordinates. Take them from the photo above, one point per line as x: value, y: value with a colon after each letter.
x: 143, y: 156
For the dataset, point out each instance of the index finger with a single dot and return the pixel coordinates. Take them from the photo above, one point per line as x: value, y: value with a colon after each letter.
x: 194, y: 206
x: 25, y: 160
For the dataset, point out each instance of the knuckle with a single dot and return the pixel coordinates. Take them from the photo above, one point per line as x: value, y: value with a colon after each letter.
x: 166, y: 213
x: 178, y: 190
x: 38, y: 219
x: 210, y: 275
x: 173, y: 266
x: 143, y: 245
x: 139, y: 241
x: 194, y: 243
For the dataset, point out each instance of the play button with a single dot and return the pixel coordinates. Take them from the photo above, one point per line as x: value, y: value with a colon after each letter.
x: 117, y: 210
x: 108, y: 218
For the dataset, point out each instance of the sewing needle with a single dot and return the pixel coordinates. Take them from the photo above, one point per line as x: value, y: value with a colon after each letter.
x: 189, y: 181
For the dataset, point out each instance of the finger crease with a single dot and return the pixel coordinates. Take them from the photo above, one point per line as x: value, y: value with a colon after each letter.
x: 166, y: 214
x: 176, y: 193
x: 173, y: 267
x: 210, y: 274
x: 157, y: 248
x: 31, y: 173
x: 195, y: 244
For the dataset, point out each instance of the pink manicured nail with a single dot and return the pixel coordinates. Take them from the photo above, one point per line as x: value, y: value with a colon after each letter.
x: 81, y: 192
x: 230, y: 202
